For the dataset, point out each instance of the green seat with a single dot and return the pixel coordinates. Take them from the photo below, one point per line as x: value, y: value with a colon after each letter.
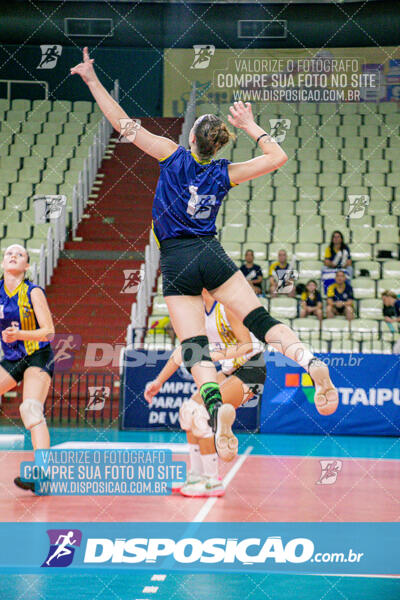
x: 63, y: 152
x: 351, y: 180
x: 50, y: 176
x: 74, y: 128
x: 259, y: 218
x: 309, y: 269
x: 305, y: 207
x: 36, y: 117
x: 10, y: 162
x: 391, y: 154
x: 259, y: 249
x: 304, y: 154
x: 45, y: 188
x: 56, y: 164
x: 286, y: 220
x: 364, y: 329
x: 22, y: 188
x: 32, y: 127
x: 306, y: 179
x: 391, y: 269
x: 369, y: 130
x: 329, y: 179
x: 17, y: 116
x: 46, y: 138
x: 370, y: 308
x: 57, y: 117
x: 374, y: 179
x: 308, y: 233
x: 363, y: 234
x: 21, y: 104
x: 351, y: 143
x: 330, y: 207
x: 33, y: 162
x: 388, y: 284
x: 82, y: 106
x: 327, y: 109
x: 333, y: 192
x: 284, y: 233
x: 233, y: 249
x: 390, y: 235
x: 352, y: 120
x: 284, y: 196
x: 283, y: 307
x: 337, y: 328
x: 274, y: 247
x: 362, y: 251
x: 17, y: 202
x: 308, y: 193
x: 378, y: 207
x: 30, y: 175
x: 41, y: 106
x: 19, y: 150
x: 345, y: 347
x: 21, y: 230
x: 41, y: 151
x: 332, y: 166
x: 4, y: 104
x: 306, y: 251
x: 373, y: 268
x: 239, y: 192
x: 8, y: 241
x: 8, y: 175
x: 328, y: 130
x: 233, y: 233
x: 52, y: 128
x: 363, y: 287
x: 259, y: 232
x: 63, y: 106
x: 348, y: 131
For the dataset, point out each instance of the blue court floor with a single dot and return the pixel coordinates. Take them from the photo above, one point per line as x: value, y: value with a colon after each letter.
x: 262, y: 444
x: 197, y: 587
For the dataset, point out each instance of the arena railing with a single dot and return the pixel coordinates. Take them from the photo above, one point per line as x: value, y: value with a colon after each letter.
x: 139, y: 312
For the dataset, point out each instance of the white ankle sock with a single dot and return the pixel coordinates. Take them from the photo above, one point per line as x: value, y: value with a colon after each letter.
x: 210, y: 465
x: 304, y: 357
x: 195, y: 459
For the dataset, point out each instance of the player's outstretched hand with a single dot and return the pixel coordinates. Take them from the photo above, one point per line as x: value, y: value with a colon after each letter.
x: 85, y: 69
x: 241, y: 115
x: 152, y: 388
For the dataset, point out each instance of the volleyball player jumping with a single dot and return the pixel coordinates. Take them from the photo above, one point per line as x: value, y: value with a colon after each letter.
x: 26, y: 330
x: 189, y: 193
x: 243, y: 372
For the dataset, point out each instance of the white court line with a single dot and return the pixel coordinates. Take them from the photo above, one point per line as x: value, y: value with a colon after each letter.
x: 207, y: 506
x: 177, y: 448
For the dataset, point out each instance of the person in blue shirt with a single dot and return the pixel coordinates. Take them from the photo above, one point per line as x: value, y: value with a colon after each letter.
x: 340, y: 298
x: 26, y: 330
x: 252, y: 272
x: 191, y: 187
x: 391, y: 309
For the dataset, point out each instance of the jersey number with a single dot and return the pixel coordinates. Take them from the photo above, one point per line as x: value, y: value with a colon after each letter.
x: 199, y: 205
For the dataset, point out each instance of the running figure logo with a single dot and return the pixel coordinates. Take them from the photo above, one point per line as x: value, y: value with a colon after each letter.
x: 330, y: 470
x: 133, y: 279
x: 279, y: 128
x: 62, y: 547
x: 358, y: 206
x: 54, y: 206
x: 128, y: 130
x: 64, y: 346
x: 202, y: 56
x: 97, y: 397
x: 50, y: 56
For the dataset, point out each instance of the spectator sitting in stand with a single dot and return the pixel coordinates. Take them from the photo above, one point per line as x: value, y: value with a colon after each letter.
x: 337, y: 254
x: 391, y: 309
x: 340, y: 298
x: 311, y: 301
x: 281, y: 276
x: 252, y: 272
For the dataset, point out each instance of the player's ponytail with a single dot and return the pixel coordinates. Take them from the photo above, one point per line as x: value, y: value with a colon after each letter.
x: 211, y: 135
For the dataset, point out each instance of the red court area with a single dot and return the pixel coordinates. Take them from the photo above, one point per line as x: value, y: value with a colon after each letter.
x: 265, y: 488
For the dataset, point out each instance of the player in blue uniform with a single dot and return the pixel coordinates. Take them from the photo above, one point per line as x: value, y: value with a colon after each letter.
x: 26, y: 329
x: 191, y: 187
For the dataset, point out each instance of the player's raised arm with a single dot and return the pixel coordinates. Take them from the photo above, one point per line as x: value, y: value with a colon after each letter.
x: 155, y: 145
x: 273, y: 156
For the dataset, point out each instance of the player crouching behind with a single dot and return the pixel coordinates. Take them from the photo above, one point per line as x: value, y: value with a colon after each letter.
x: 242, y: 370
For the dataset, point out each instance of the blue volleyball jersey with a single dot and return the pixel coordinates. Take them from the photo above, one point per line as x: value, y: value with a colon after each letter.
x: 189, y: 194
x: 16, y: 309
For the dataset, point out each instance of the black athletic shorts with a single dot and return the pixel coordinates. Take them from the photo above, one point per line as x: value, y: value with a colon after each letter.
x: 42, y: 358
x: 190, y: 264
x: 253, y: 373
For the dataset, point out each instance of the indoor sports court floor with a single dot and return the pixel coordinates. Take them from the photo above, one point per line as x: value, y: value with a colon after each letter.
x: 274, y: 479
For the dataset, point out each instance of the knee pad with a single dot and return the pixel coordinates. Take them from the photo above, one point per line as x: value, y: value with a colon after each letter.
x: 186, y: 414
x: 195, y: 350
x: 259, y: 321
x: 31, y: 412
x: 200, y: 422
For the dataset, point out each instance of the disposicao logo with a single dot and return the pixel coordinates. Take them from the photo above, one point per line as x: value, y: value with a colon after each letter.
x: 62, y: 547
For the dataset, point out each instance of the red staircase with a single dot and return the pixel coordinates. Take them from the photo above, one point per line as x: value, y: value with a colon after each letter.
x: 85, y: 295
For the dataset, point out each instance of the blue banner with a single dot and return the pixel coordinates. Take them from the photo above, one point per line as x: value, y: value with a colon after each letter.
x: 369, y: 396
x: 142, y: 366
x: 318, y: 548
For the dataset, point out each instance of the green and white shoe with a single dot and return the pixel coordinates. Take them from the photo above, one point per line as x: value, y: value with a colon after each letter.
x: 208, y: 487
x: 191, y: 479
